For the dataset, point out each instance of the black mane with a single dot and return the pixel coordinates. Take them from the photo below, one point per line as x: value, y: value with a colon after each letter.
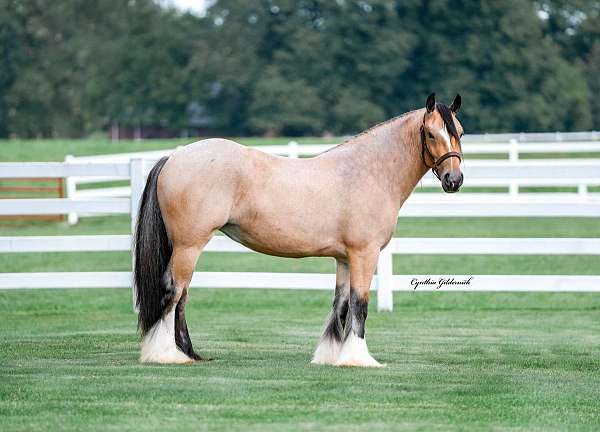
x: 448, y: 120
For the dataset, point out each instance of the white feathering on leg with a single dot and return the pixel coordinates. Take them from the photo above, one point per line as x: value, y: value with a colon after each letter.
x: 159, y: 345
x: 327, y: 352
x: 355, y: 353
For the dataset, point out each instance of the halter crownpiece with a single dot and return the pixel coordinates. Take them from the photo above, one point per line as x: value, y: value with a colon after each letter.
x: 436, y: 162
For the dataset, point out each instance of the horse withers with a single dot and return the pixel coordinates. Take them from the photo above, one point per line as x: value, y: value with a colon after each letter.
x: 342, y: 203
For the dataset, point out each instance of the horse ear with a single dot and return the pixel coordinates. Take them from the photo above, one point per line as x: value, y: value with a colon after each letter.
x: 455, y: 104
x: 430, y: 104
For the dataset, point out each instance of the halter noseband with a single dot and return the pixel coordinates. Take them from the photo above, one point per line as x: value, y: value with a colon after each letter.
x: 442, y: 158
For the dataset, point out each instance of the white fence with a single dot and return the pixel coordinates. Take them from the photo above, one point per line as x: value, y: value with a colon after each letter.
x: 579, y: 172
x: 136, y: 169
x: 513, y: 173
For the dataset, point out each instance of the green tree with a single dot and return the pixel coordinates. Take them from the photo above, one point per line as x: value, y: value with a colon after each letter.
x: 347, y: 52
x: 509, y: 76
x: 593, y: 77
x: 71, y: 67
x: 76, y: 66
x: 285, y: 107
x: 355, y: 112
x: 574, y: 26
x: 368, y: 60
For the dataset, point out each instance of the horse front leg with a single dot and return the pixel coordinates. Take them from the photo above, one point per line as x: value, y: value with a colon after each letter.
x: 354, y: 350
x: 330, y: 344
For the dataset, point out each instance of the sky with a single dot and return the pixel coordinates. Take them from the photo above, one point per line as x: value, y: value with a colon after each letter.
x: 195, y: 6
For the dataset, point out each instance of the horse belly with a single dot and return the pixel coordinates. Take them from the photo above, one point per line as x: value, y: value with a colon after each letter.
x: 283, y: 237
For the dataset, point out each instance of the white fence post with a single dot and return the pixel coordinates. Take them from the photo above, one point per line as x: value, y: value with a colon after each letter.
x: 136, y: 172
x: 513, y: 150
x: 293, y: 149
x: 385, y: 265
x: 114, y: 131
x: 582, y: 189
x: 71, y: 191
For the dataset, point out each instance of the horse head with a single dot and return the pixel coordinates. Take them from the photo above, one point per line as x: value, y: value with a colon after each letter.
x: 440, y: 140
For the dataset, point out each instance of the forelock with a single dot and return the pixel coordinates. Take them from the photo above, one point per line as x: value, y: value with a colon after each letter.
x: 446, y: 115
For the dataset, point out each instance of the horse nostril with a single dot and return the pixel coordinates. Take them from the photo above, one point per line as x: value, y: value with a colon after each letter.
x: 447, y: 178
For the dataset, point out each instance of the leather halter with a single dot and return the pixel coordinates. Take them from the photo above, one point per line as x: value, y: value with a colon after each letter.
x: 436, y: 162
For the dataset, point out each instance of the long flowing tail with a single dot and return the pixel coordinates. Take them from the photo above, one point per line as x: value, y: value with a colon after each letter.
x: 153, y: 251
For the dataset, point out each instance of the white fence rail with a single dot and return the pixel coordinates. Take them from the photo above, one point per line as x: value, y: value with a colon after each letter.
x: 513, y: 149
x: 534, y: 137
x: 399, y: 245
x: 580, y: 173
x: 386, y: 281
x: 309, y: 281
x: 474, y: 204
x: 513, y: 173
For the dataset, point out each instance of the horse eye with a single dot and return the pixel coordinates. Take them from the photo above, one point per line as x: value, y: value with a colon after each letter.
x: 430, y: 135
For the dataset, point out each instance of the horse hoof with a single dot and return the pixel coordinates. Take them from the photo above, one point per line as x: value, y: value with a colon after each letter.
x: 327, y: 352
x: 355, y: 353
x: 199, y: 358
x: 166, y: 357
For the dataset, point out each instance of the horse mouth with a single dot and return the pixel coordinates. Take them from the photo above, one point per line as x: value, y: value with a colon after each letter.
x: 451, y: 188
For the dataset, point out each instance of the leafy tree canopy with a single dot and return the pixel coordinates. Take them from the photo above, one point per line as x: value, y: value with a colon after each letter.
x: 295, y: 67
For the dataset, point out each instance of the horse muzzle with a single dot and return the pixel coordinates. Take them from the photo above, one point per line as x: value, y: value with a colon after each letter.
x: 452, y: 181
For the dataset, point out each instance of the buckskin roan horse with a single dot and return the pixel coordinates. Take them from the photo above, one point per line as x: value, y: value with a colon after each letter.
x: 342, y: 203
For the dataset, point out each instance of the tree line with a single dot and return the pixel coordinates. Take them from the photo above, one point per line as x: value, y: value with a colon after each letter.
x: 295, y: 67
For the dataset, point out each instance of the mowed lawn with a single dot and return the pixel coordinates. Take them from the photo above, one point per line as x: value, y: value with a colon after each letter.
x: 455, y: 361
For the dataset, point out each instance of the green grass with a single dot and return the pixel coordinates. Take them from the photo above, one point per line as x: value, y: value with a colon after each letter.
x: 240, y: 262
x: 68, y: 361
x: 455, y: 361
x: 407, y: 227
x: 57, y: 149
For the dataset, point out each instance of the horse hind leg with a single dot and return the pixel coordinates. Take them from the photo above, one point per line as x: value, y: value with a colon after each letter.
x: 182, y: 335
x: 330, y: 344
x: 168, y: 341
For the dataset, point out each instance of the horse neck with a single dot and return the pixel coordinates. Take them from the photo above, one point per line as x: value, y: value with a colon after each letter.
x: 392, y: 152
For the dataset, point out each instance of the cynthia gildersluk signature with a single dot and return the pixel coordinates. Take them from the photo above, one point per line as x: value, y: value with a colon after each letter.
x: 440, y: 282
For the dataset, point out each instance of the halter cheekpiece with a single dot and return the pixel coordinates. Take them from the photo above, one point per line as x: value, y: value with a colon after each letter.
x: 442, y: 158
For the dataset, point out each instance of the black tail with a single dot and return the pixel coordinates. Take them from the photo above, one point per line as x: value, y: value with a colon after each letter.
x: 152, y: 254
